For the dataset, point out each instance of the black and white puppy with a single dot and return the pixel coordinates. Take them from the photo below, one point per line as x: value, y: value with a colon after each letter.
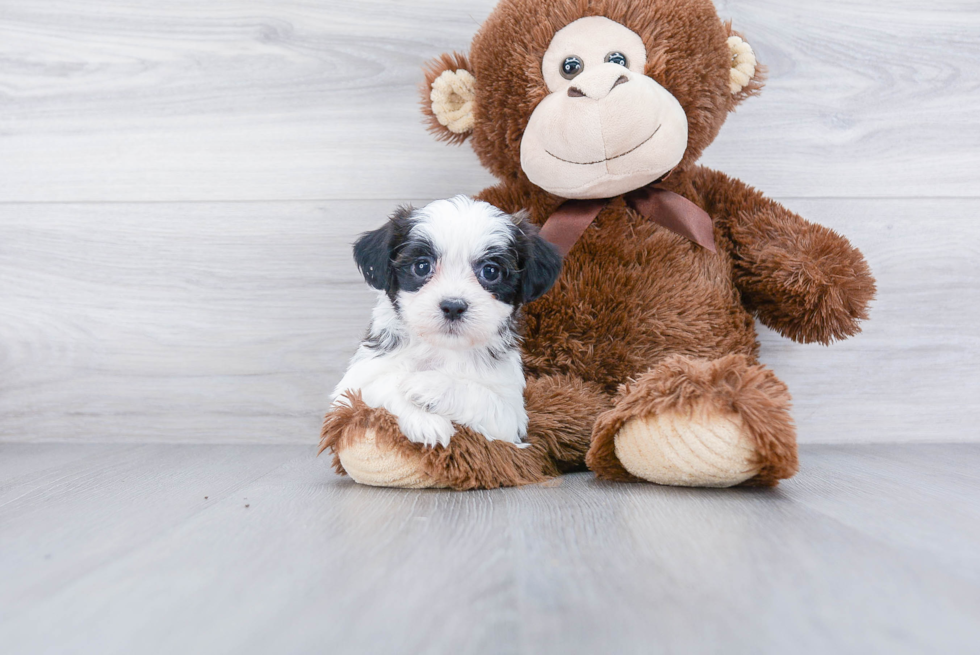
x: 443, y: 346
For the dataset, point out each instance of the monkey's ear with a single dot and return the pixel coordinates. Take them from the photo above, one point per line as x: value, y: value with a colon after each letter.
x: 449, y: 97
x: 747, y: 75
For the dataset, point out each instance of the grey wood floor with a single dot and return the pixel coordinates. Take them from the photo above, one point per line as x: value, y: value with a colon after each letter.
x: 256, y: 549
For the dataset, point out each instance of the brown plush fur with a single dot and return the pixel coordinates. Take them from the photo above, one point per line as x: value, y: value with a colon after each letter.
x: 685, y: 384
x: 469, y: 462
x: 803, y: 280
x: 687, y: 53
x: 562, y: 412
x: 642, y: 320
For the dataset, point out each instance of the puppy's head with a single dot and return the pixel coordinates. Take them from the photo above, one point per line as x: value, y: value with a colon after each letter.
x: 456, y: 270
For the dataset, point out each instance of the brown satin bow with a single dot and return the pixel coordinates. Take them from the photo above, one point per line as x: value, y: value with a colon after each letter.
x: 665, y: 208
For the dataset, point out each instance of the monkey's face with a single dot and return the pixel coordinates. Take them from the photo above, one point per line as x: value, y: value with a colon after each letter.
x: 591, y: 99
x: 604, y: 128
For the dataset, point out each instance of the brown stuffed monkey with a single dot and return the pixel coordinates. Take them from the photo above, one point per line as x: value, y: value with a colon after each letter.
x: 642, y: 361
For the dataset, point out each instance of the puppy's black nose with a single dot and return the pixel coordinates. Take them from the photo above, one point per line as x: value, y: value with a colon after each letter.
x: 453, y: 308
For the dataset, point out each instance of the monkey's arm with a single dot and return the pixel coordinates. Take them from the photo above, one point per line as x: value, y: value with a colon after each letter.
x: 803, y: 280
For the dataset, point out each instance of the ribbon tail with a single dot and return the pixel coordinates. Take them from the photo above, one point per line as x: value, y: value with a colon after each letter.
x: 676, y: 213
x: 569, y: 223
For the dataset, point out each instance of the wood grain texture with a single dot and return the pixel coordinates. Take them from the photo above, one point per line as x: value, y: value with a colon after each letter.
x: 179, y: 186
x: 869, y: 549
x: 153, y: 490
x: 231, y: 322
x: 268, y: 100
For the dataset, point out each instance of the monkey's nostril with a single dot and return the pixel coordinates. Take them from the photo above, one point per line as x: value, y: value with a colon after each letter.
x: 575, y: 92
x: 622, y: 80
x: 453, y: 309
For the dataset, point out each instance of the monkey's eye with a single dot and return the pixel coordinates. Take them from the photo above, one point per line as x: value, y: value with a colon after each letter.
x: 422, y: 267
x: 490, y: 273
x: 617, y: 58
x: 571, y: 67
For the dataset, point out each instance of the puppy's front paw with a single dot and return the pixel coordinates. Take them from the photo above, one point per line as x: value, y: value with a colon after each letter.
x: 506, y: 423
x: 429, y: 391
x: 425, y: 428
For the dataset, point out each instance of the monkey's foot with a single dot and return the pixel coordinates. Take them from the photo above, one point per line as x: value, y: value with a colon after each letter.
x: 712, y: 450
x: 698, y: 423
x: 368, y: 463
x: 368, y: 446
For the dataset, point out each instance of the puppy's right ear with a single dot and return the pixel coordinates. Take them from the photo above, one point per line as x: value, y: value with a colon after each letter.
x: 373, y: 251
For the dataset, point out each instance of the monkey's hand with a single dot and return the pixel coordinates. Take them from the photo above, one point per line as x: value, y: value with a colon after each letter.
x: 801, y: 279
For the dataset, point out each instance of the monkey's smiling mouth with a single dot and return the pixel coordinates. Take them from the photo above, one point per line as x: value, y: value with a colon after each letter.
x: 603, y: 161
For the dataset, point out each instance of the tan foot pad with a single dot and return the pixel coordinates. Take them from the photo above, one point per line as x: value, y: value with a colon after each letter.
x: 712, y: 450
x: 367, y: 463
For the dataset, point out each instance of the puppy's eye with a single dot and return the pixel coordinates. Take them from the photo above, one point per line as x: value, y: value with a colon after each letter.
x: 617, y: 58
x: 422, y: 268
x: 490, y: 273
x: 571, y: 67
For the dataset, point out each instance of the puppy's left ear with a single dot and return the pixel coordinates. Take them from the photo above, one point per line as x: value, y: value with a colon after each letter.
x: 542, y: 262
x: 373, y: 250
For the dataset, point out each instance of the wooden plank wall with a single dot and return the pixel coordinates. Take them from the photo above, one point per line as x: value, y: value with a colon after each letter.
x: 180, y: 183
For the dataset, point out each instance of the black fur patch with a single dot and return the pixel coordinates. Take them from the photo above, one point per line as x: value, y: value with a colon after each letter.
x: 540, y: 261
x: 409, y: 252
x: 506, y: 289
x: 530, y: 266
x: 375, y: 251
